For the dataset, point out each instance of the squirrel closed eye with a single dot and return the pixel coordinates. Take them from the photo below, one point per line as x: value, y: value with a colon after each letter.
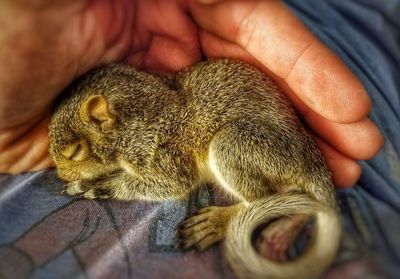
x: 77, y: 151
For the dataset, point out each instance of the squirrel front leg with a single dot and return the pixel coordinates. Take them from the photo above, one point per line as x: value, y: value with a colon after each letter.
x: 122, y: 186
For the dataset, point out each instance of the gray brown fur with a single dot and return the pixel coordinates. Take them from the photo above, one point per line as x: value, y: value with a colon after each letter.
x: 219, y: 121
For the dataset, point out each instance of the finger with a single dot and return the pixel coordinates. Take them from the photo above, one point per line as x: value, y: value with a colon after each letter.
x: 11, y: 135
x: 167, y: 39
x: 214, y: 47
x: 345, y: 171
x: 19, y: 156
x: 274, y: 36
x: 360, y: 140
x: 45, y: 163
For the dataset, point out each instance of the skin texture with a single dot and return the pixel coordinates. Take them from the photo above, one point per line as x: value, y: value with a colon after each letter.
x: 53, y: 42
x: 125, y: 134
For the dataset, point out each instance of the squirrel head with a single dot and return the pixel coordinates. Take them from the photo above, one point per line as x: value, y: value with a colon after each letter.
x: 108, y: 113
x: 82, y: 143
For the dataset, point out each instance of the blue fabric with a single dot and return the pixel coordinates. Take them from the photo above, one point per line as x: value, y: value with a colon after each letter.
x: 47, y: 235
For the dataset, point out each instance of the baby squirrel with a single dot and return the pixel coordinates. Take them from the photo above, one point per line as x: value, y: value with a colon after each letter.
x: 125, y: 134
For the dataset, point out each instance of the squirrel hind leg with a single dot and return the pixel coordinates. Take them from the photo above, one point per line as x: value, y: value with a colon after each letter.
x: 207, y: 227
x: 239, y: 161
x: 279, y: 236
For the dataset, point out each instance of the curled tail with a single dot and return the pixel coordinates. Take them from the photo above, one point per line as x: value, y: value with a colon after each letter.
x: 317, y: 257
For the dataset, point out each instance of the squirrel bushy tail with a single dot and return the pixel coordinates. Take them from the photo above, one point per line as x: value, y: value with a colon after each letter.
x: 322, y: 248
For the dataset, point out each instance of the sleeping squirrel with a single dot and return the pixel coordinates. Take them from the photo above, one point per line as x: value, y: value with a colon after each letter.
x: 125, y: 134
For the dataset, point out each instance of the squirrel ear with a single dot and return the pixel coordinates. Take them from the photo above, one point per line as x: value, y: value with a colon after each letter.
x: 95, y: 109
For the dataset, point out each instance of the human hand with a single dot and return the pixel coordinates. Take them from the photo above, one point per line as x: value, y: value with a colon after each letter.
x: 326, y: 94
x: 46, y: 44
x: 80, y: 39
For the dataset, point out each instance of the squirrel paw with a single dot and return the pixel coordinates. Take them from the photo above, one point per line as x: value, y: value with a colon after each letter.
x: 78, y: 188
x: 277, y: 237
x: 73, y: 188
x: 207, y: 227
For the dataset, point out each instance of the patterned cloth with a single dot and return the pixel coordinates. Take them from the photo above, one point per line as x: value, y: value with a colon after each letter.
x: 47, y: 235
